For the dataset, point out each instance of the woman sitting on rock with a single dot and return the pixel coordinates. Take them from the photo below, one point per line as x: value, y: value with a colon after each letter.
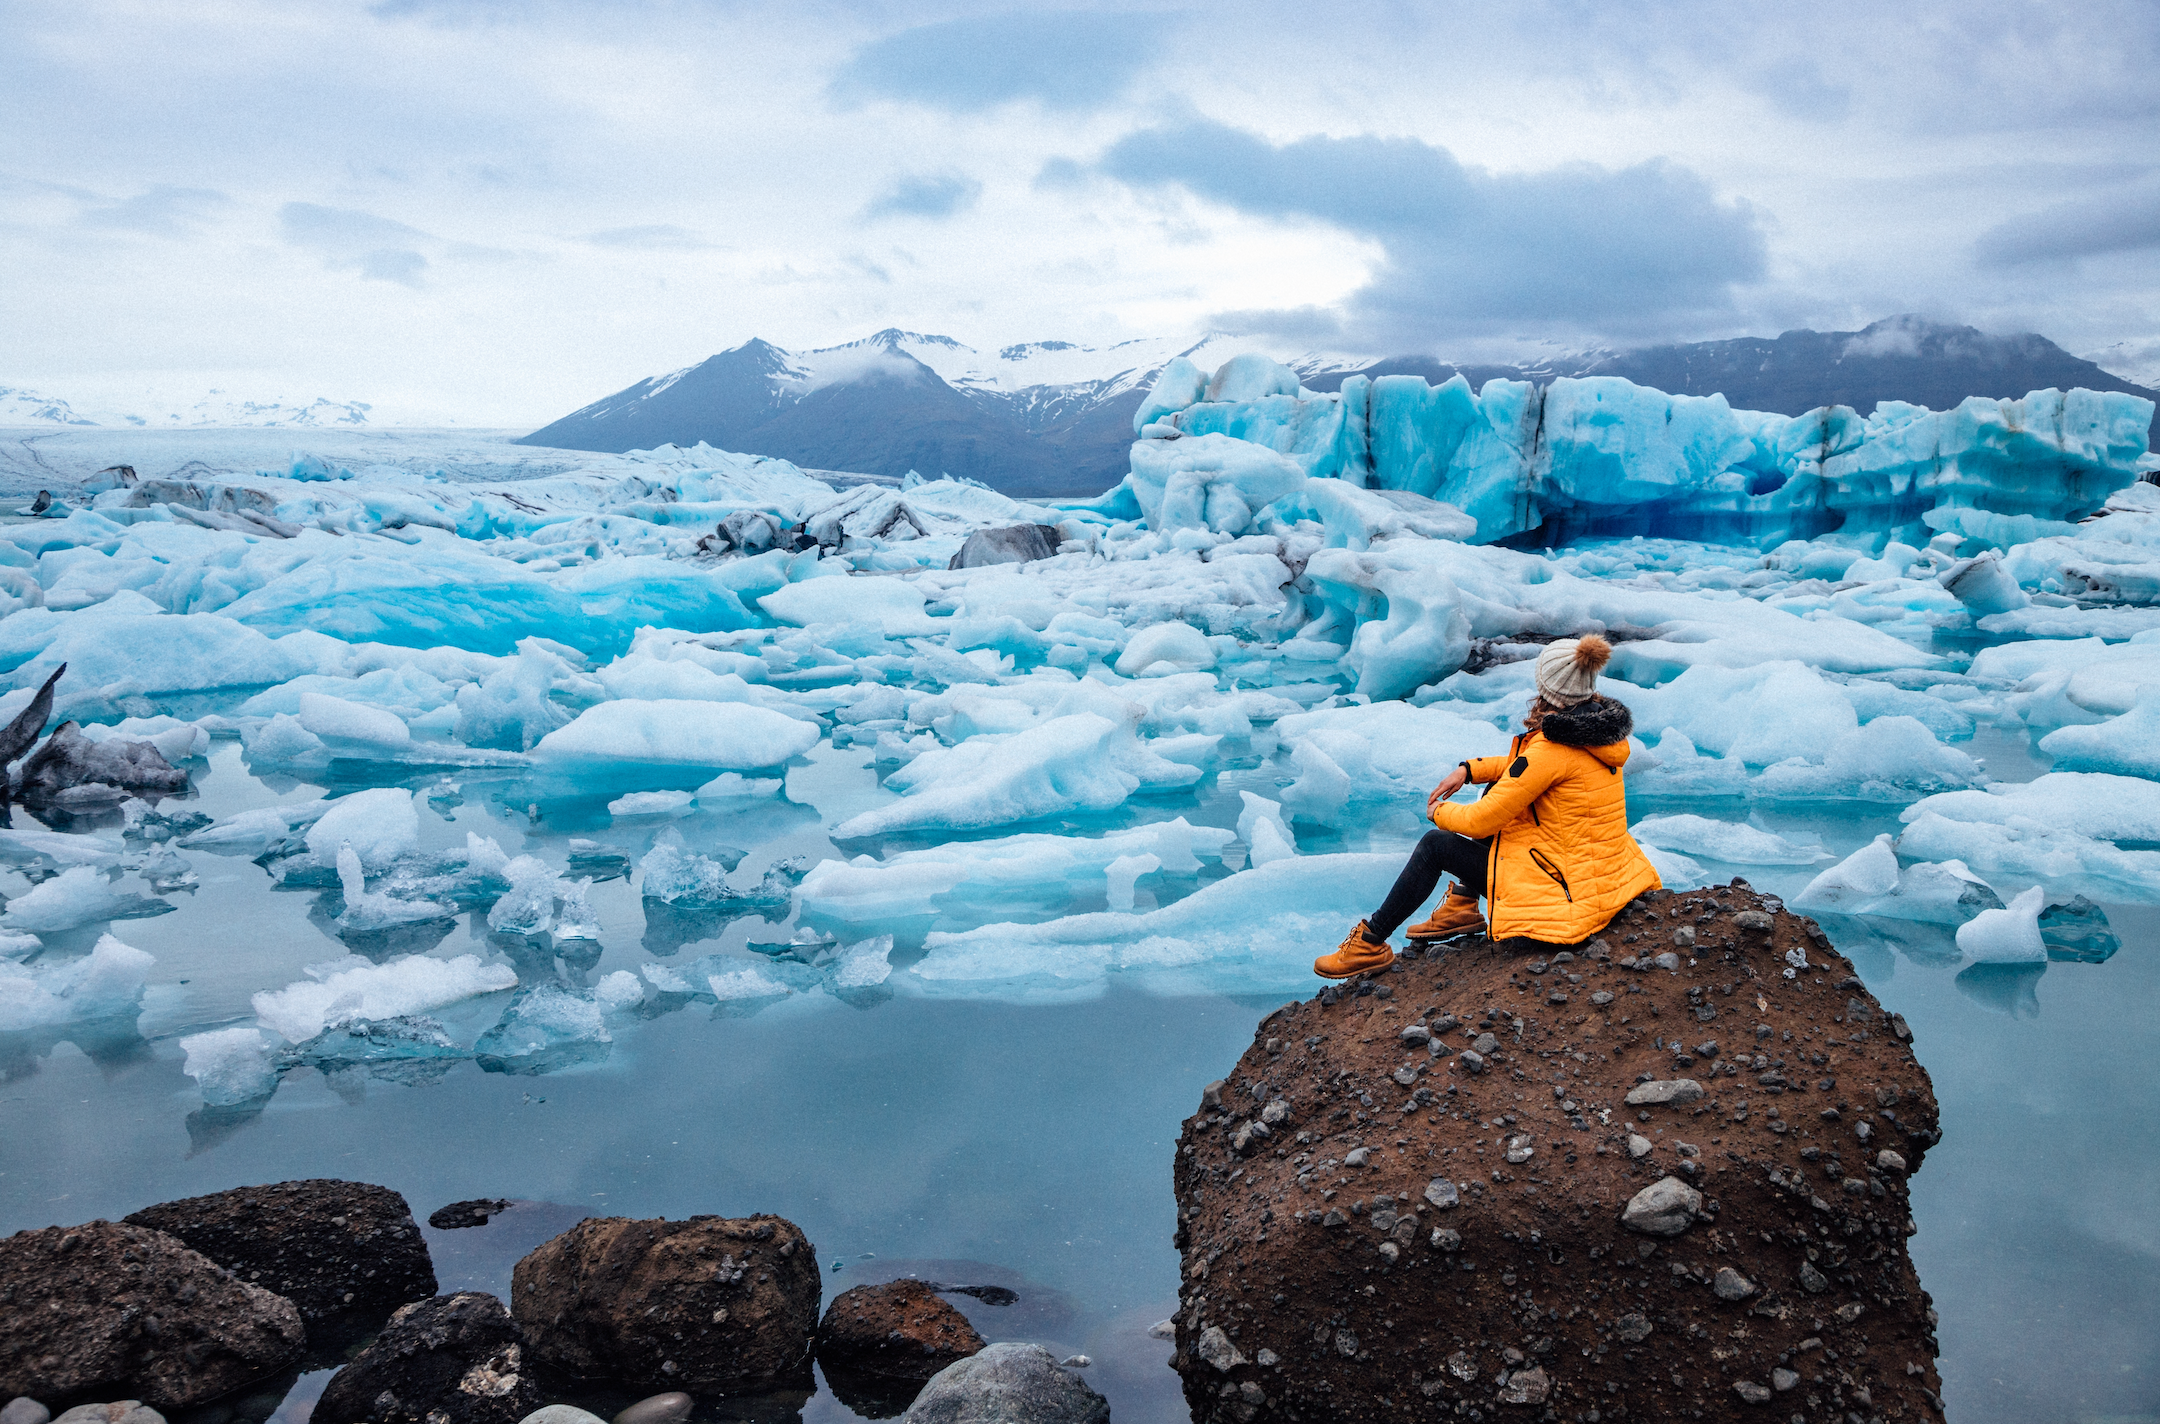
x: 1546, y: 846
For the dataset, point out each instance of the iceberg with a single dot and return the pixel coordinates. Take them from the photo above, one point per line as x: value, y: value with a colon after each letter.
x: 352, y: 988
x: 106, y: 982
x: 545, y: 1029
x: 666, y: 732
x: 230, y: 1066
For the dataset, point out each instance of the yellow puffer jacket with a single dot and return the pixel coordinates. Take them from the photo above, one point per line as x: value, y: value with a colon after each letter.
x: 1562, y: 862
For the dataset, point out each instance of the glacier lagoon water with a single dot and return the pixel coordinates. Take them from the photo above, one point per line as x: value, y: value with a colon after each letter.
x: 1273, y: 664
x: 1028, y: 1144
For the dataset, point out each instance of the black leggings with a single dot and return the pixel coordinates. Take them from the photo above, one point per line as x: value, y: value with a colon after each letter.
x: 1438, y: 853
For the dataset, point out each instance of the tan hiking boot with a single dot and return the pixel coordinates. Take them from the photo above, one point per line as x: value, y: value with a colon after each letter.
x: 1359, y: 954
x: 1455, y: 915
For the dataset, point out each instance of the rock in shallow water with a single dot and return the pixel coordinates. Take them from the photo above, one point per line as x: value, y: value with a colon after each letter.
x: 455, y: 1359
x: 1357, y: 1314
x: 22, y: 1410
x: 331, y: 1247
x: 109, y: 1308
x: 1008, y: 1384
x: 899, y: 1330
x: 708, y: 1305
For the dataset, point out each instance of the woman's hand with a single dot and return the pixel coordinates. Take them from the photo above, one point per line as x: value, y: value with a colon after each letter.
x: 1447, y: 788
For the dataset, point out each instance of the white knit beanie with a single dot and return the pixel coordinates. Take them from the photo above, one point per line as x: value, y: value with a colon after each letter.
x: 1567, y: 671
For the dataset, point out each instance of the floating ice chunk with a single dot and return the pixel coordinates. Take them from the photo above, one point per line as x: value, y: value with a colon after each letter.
x: 1675, y: 767
x: 27, y: 846
x: 376, y: 911
x: 1982, y: 585
x: 354, y: 724
x: 247, y: 833
x: 1675, y: 871
x: 77, y: 896
x: 651, y: 803
x: 1936, y: 892
x: 1180, y: 644
x: 1122, y: 873
x: 1885, y: 758
x: 893, y: 606
x: 2026, y: 847
x: 729, y: 736
x: 511, y: 708
x: 1425, y: 635
x: 2089, y: 803
x: 1723, y: 841
x: 543, y: 1029
x: 1868, y: 872
x: 106, y: 982
x: 352, y: 988
x: 1212, y: 482
x: 1386, y: 749
x: 864, y: 965
x: 230, y: 1066
x: 14, y: 944
x: 1261, y: 826
x: 973, y: 873
x: 414, y: 1041
x: 174, y: 739
x: 529, y: 907
x: 2007, y: 936
x: 1321, y: 789
x: 2127, y: 745
x: 733, y: 783
x: 664, y: 979
x: 749, y: 982
x: 619, y: 990
x: 574, y: 915
x: 680, y: 876
x: 380, y: 824
x: 1081, y: 762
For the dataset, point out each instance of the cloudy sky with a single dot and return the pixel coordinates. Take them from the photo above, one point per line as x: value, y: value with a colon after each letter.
x: 501, y: 209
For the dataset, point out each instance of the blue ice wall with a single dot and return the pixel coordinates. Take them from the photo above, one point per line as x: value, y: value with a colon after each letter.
x: 1602, y: 455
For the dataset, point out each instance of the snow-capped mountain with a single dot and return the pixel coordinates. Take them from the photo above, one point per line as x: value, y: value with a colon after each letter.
x: 171, y: 407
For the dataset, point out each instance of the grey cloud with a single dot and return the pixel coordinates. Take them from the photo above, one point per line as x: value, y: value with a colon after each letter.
x: 1316, y: 324
x: 653, y: 237
x: 1629, y: 252
x: 160, y: 211
x: 925, y: 195
x: 2127, y: 220
x: 378, y: 248
x: 1062, y: 60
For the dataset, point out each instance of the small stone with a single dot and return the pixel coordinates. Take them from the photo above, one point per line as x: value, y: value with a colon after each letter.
x: 1346, y: 1344
x: 1684, y: 937
x: 1266, y: 1359
x: 1446, y: 1239
x: 1485, y: 1043
x: 1887, y: 1160
x: 1812, y: 1281
x: 1357, y: 1157
x: 561, y: 1414
x: 1390, y: 1252
x: 1850, y: 1313
x: 1442, y: 1193
x: 1529, y: 1386
x: 1633, y: 1328
x: 24, y: 1410
x: 1519, y: 1151
x: 1383, y: 1221
x: 1638, y: 1146
x: 1075, y: 1362
x: 1334, y: 1217
x: 1275, y: 1113
x: 670, y: 1408
x: 1754, y: 921
x: 1216, y: 1349
x: 1211, y: 1095
x: 1473, y: 1061
x: 1601, y: 998
x: 1731, y: 1285
x: 1782, y: 1379
x: 1752, y: 1392
x: 1669, y: 960
x: 1415, y: 1033
x: 1663, y: 1092
x: 124, y: 1411
x: 1667, y: 1207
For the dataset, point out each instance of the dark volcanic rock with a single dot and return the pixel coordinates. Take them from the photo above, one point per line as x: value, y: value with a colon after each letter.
x: 456, y: 1359
x: 467, y: 1213
x: 707, y: 1305
x: 1008, y: 1384
x: 1498, y: 1243
x: 877, y: 1344
x: 1015, y: 544
x: 112, y: 1310
x: 69, y: 760
x: 332, y: 1247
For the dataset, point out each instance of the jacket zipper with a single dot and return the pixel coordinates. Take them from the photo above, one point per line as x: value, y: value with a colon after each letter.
x: 1548, y: 867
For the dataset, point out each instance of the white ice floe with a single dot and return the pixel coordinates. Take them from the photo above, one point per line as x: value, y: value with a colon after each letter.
x: 107, y: 981
x: 353, y: 988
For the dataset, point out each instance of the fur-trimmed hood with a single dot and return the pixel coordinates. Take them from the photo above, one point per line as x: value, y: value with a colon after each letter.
x: 1593, y: 722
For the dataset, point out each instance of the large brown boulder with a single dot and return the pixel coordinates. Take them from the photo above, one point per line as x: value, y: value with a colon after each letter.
x: 330, y: 1247
x: 1652, y: 1177
x: 709, y: 1305
x: 106, y: 1310
x: 877, y: 1344
x: 460, y: 1357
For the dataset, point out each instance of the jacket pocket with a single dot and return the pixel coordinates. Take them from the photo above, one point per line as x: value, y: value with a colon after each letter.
x: 1545, y: 864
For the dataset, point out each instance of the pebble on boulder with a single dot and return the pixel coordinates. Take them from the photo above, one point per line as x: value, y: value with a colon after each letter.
x: 1008, y: 1384
x: 108, y: 1308
x: 455, y: 1359
x: 330, y: 1247
x: 1643, y: 1232
x: 708, y: 1305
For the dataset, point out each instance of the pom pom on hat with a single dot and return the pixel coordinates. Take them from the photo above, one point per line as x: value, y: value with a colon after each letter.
x: 1567, y: 671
